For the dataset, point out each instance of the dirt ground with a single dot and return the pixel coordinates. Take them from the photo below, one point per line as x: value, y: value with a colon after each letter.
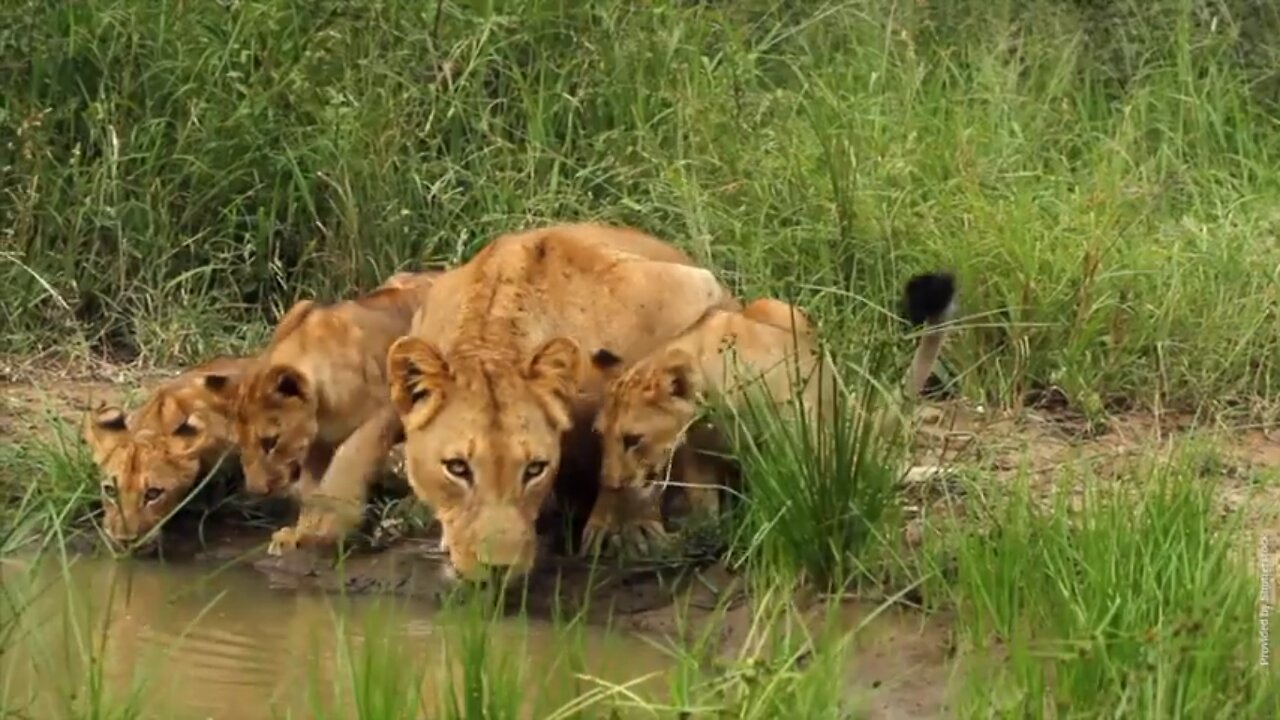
x: 901, y: 669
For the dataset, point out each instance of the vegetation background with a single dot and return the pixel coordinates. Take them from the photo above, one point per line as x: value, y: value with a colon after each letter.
x: 1101, y: 175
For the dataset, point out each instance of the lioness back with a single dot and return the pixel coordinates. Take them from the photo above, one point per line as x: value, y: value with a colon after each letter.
x: 153, y: 456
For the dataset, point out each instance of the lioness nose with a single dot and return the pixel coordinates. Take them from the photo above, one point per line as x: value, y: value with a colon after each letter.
x: 501, y: 554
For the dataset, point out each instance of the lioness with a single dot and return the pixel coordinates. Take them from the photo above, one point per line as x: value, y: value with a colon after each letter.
x: 151, y: 458
x: 650, y: 407
x: 492, y: 376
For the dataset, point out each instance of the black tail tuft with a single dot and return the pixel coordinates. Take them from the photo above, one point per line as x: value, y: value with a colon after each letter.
x: 928, y: 297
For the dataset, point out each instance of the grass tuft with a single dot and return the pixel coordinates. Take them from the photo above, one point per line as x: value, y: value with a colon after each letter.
x: 1134, y: 599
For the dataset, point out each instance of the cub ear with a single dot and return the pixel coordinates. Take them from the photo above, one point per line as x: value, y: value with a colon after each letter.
x: 292, y: 319
x: 416, y: 372
x: 288, y: 383
x: 606, y: 361
x: 191, y: 426
x: 217, y: 383
x: 104, y: 428
x: 678, y: 375
x: 555, y: 370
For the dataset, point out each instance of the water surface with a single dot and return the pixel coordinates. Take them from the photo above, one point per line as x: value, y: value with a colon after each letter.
x: 207, y: 640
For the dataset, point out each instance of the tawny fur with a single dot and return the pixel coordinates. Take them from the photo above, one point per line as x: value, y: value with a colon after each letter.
x: 493, y: 373
x: 183, y: 428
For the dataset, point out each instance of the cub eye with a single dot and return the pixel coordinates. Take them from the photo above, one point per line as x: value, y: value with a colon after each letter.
x: 267, y: 444
x: 631, y: 440
x: 458, y: 468
x: 534, y: 470
x: 152, y: 494
x: 109, y: 489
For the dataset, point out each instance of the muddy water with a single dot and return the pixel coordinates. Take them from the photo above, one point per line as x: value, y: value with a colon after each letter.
x: 208, y: 640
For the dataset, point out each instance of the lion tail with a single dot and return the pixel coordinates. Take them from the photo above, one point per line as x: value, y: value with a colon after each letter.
x: 929, y: 299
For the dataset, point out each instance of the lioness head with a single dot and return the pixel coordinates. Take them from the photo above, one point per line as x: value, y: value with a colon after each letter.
x: 482, y: 443
x: 147, y: 471
x: 275, y: 424
x: 645, y: 413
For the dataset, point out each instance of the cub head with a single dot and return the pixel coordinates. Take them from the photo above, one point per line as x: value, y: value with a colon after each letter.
x: 146, y: 472
x: 275, y: 424
x: 645, y: 413
x: 151, y: 460
x: 483, y: 442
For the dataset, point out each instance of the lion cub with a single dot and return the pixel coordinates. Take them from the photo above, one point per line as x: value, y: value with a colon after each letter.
x: 150, y: 459
x: 321, y: 376
x: 651, y: 406
x: 654, y: 405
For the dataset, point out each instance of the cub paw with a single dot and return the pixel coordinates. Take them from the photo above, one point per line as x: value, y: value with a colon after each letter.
x: 282, y: 541
x: 319, y: 526
x: 626, y: 522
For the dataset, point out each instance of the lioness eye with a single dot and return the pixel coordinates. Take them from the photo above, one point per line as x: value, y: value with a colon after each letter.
x: 109, y: 489
x: 268, y: 444
x: 153, y: 494
x: 458, y: 468
x: 629, y: 441
x: 534, y: 470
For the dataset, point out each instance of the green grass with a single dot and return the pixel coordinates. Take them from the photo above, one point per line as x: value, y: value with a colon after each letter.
x: 819, y: 502
x: 1101, y: 178
x: 1131, y: 600
x: 61, y: 499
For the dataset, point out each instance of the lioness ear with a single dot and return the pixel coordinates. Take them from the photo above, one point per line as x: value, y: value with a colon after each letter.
x: 554, y: 369
x: 103, y: 429
x: 287, y: 382
x: 678, y: 371
x: 416, y: 372
x: 558, y: 362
